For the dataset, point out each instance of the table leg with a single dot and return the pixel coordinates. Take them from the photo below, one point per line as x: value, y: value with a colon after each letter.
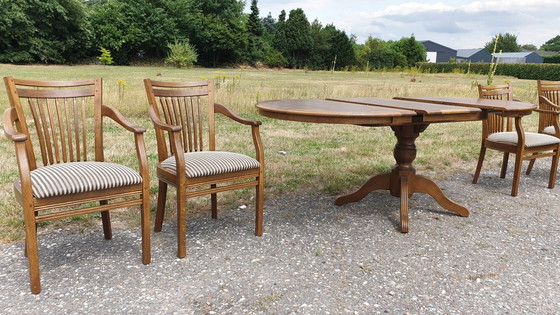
x: 402, y: 181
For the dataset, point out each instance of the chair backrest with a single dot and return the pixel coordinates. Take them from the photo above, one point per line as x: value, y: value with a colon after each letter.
x: 551, y: 91
x: 189, y: 105
x: 60, y: 118
x: 496, y: 123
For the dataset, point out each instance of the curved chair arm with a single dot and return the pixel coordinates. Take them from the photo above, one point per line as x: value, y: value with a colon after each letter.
x: 219, y: 108
x: 158, y: 124
x: 115, y: 115
x: 547, y: 102
x: 174, y: 140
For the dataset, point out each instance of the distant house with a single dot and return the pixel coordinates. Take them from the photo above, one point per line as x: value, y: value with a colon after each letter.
x: 547, y: 53
x: 519, y: 57
x: 473, y: 55
x: 438, y: 53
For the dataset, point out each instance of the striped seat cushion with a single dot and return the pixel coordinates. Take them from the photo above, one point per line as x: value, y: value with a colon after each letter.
x: 532, y: 139
x: 206, y: 163
x: 77, y: 177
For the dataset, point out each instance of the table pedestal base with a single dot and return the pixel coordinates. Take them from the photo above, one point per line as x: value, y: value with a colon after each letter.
x: 402, y: 181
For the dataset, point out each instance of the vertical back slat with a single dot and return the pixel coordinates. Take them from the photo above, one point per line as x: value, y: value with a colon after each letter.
x: 200, y: 125
x: 61, y: 126
x: 69, y: 131
x: 193, y: 122
x: 83, y: 122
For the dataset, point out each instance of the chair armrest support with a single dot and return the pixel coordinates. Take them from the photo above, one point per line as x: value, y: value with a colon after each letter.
x: 219, y: 108
x: 115, y: 115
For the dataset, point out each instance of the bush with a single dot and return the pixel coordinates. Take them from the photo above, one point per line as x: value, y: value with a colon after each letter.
x: 105, y: 57
x: 181, y: 54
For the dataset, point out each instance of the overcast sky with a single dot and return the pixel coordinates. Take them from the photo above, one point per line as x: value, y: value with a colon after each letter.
x: 457, y: 24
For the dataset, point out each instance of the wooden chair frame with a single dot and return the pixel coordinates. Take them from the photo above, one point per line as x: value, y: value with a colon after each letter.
x: 498, y: 123
x: 182, y: 126
x: 62, y: 138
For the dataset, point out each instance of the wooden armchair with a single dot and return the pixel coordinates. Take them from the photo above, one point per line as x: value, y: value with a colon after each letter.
x: 549, y: 110
x: 62, y: 174
x: 497, y: 135
x: 183, y: 116
x: 549, y: 107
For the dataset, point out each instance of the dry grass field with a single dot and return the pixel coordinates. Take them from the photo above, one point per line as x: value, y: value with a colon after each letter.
x: 319, y: 158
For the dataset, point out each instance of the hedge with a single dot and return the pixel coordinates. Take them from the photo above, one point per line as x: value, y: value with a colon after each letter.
x: 528, y: 71
x: 552, y: 59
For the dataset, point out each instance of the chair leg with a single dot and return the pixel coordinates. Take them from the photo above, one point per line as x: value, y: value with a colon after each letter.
x: 517, y: 174
x: 32, y: 251
x: 259, y: 207
x: 504, y: 165
x: 554, y: 167
x: 106, y: 219
x: 160, y: 211
x: 530, y: 166
x: 181, y: 223
x: 479, y: 164
x: 214, y: 203
x: 145, y: 222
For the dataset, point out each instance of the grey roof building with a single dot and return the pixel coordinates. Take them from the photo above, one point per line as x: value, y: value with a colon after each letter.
x: 473, y: 55
x: 519, y: 57
x: 438, y: 53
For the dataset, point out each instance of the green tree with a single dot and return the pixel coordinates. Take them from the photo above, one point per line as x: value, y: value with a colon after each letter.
x: 529, y: 47
x: 46, y: 31
x: 293, y: 38
x: 552, y: 44
x: 218, y: 31
x: 506, y: 43
x: 376, y: 54
x: 330, y: 48
x: 269, y: 23
x: 255, y: 31
x: 105, y: 57
x: 411, y: 49
x: 132, y: 29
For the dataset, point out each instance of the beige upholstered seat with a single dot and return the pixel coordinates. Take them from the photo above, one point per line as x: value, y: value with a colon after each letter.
x: 208, y: 163
x: 80, y: 177
x: 497, y: 134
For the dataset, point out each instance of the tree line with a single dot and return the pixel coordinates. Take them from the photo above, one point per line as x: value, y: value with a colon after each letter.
x: 218, y: 31
x: 78, y: 31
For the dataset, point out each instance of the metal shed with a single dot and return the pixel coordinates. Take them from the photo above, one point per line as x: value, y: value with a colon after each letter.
x: 438, y: 53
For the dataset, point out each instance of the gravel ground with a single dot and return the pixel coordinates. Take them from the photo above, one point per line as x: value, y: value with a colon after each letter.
x: 315, y: 258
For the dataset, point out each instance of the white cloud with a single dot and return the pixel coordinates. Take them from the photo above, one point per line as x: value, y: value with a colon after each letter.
x: 456, y: 24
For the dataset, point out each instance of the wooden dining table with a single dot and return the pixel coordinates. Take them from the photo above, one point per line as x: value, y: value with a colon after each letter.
x: 407, y: 117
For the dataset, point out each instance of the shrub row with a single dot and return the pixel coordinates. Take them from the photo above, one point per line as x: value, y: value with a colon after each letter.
x: 528, y: 71
x: 551, y: 59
